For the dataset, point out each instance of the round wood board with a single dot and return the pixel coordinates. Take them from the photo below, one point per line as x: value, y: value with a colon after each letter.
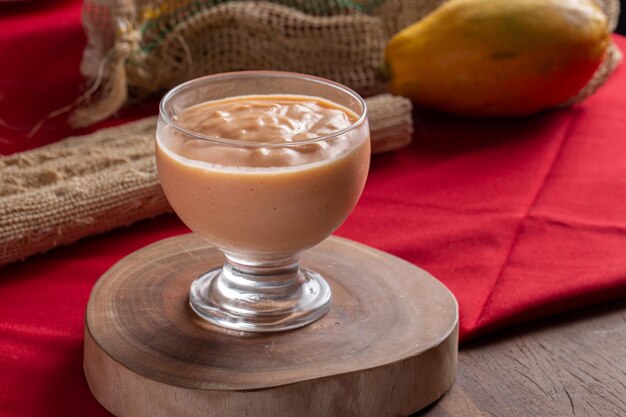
x: 388, y: 346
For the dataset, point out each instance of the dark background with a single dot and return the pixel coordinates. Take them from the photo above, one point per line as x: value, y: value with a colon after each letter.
x: 621, y: 27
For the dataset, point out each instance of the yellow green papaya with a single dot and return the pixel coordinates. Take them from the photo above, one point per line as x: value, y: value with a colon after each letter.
x: 498, y: 57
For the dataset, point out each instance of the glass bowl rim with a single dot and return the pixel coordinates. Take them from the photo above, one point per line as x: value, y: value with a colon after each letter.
x: 269, y: 74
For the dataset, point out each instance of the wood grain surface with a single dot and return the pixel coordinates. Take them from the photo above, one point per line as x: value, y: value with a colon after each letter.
x: 570, y: 365
x: 386, y: 348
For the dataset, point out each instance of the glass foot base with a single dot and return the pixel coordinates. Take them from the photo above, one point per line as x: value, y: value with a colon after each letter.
x: 229, y: 300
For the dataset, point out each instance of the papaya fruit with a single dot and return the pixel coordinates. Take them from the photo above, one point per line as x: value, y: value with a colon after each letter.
x: 498, y: 57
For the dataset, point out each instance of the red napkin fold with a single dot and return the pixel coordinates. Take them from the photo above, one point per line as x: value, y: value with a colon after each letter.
x: 519, y: 218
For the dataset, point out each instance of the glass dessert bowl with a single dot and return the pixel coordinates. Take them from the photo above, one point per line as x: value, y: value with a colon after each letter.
x: 263, y: 165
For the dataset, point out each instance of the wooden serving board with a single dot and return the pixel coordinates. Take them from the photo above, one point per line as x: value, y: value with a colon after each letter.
x: 388, y: 346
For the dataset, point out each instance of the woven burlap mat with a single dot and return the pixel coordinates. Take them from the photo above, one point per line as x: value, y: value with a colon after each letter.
x: 80, y: 186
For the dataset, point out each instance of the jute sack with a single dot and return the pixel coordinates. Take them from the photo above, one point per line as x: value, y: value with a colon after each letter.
x: 139, y: 47
x: 84, y: 185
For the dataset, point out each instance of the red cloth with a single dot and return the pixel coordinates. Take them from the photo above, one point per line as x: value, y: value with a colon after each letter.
x: 519, y: 218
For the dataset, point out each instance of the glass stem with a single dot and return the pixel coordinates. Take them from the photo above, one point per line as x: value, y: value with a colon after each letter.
x: 252, y: 286
x: 260, y: 294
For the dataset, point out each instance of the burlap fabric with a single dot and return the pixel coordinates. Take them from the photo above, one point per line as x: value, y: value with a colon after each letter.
x: 80, y: 186
x: 139, y: 47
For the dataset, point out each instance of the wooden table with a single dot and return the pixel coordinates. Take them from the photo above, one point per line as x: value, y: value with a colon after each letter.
x: 569, y: 365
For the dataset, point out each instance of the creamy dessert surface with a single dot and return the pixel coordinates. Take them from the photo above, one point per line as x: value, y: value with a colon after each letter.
x: 261, y: 119
x: 267, y: 118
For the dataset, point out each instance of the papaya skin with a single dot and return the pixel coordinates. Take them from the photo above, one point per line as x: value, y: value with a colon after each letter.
x: 498, y: 57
